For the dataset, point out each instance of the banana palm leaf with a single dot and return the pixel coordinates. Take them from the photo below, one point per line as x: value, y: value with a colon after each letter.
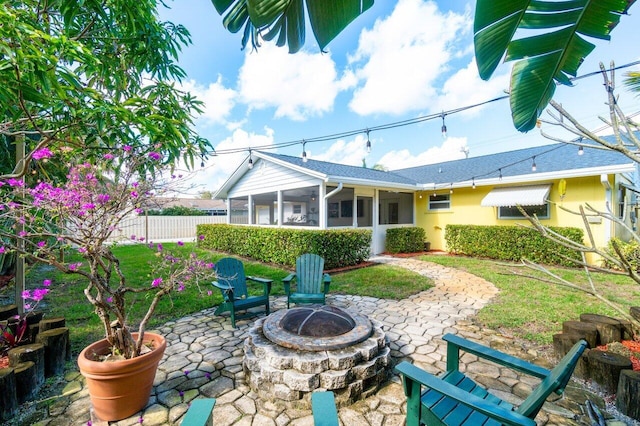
x: 632, y: 81
x: 284, y: 20
x: 550, y: 56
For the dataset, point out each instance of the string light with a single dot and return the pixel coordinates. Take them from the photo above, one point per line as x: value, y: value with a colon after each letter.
x: 250, y: 160
x: 202, y: 162
x: 473, y: 183
x: 444, y: 127
x: 580, y: 150
x: 304, y: 152
x: 368, y: 142
x: 533, y: 165
x: 500, y: 174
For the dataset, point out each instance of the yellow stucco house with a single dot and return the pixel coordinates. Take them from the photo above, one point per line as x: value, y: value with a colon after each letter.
x: 284, y: 191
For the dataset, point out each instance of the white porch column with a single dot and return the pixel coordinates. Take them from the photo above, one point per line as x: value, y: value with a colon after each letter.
x: 250, y: 209
x: 280, y: 217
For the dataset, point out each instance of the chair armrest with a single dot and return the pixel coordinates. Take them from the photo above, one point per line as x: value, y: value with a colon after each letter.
x: 266, y: 283
x: 327, y: 282
x: 455, y: 343
x: 286, y: 282
x: 414, y: 377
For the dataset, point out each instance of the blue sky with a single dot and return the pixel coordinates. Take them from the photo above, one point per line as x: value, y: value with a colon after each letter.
x: 398, y: 61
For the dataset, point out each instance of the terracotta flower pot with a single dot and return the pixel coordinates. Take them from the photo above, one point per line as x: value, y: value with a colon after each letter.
x: 120, y: 389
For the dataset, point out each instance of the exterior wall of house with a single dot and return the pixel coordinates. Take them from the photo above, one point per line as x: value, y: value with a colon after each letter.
x: 465, y: 208
x: 267, y: 177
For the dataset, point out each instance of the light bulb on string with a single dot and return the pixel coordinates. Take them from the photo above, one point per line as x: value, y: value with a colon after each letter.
x: 368, y: 142
x: 304, y: 152
x: 580, y: 150
x: 250, y: 160
x: 451, y: 188
x: 500, y: 174
x: 202, y: 162
x: 444, y: 127
x: 533, y: 165
x: 473, y: 183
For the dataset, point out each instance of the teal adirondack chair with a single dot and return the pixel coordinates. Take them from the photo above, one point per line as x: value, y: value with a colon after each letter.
x: 312, y: 284
x: 232, y: 282
x: 455, y: 399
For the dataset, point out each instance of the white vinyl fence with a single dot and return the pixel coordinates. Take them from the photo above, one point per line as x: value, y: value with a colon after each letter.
x: 162, y: 228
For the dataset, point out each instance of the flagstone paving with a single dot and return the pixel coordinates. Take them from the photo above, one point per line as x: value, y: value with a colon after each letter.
x: 204, y: 359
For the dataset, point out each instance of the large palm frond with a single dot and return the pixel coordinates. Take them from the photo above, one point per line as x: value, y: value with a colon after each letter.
x: 632, y: 81
x: 284, y: 20
x: 551, y: 54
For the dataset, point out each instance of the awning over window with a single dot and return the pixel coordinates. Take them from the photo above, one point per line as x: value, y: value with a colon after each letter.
x: 533, y: 195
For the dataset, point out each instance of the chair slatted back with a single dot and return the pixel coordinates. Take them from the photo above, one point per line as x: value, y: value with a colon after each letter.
x: 309, y: 269
x: 231, y: 271
x: 556, y: 381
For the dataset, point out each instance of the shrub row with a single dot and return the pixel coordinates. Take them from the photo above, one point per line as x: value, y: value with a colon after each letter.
x: 405, y: 240
x: 282, y: 246
x: 630, y: 250
x: 511, y: 243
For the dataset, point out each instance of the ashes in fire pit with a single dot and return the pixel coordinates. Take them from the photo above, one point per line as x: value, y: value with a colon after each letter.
x: 295, y: 351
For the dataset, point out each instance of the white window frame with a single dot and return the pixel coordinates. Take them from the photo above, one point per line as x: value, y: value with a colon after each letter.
x: 547, y: 215
x: 446, y: 202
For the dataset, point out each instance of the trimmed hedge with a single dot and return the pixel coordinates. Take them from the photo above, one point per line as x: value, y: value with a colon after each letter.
x: 511, y: 243
x: 405, y: 240
x: 630, y: 250
x: 282, y: 246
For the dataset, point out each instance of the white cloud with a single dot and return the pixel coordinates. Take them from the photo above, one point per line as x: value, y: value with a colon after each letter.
x: 298, y: 86
x: 220, y: 167
x: 404, y: 55
x: 346, y: 152
x: 465, y: 87
x: 451, y: 149
x: 219, y: 101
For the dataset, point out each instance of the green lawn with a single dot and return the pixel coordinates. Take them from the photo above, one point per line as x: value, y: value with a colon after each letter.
x: 67, y: 298
x: 535, y: 310
x: 525, y: 307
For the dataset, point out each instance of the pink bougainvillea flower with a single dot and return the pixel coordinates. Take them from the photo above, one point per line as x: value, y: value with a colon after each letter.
x: 82, y: 250
x: 180, y: 243
x: 133, y: 237
x: 109, y: 299
x: 139, y: 211
x: 74, y: 266
x: 15, y: 182
x: 108, y: 156
x: 135, y: 184
x: 209, y: 292
x: 88, y: 206
x: 159, y: 246
x: 134, y: 194
x: 156, y: 282
x: 103, y: 198
x: 127, y: 148
x: 181, y: 287
x: 26, y: 294
x: 201, y: 237
x: 2, y: 250
x: 23, y: 233
x: 41, y: 153
x: 155, y: 155
x: 42, y: 244
x: 39, y: 293
x: 46, y: 283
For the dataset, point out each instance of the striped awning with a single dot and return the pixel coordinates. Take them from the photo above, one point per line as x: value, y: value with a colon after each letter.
x: 532, y: 195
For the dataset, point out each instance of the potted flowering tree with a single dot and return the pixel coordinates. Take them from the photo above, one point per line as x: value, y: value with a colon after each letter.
x: 81, y: 214
x: 91, y: 119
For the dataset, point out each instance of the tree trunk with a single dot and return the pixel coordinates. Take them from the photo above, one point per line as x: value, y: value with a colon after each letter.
x: 605, y: 368
x: 55, y: 344
x: 562, y: 344
x: 34, y: 353
x: 8, y: 397
x: 609, y: 329
x: 585, y: 330
x: 51, y: 323
x: 627, y: 395
x: 26, y: 381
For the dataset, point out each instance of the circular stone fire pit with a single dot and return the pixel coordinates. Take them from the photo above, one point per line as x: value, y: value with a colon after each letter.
x: 295, y: 351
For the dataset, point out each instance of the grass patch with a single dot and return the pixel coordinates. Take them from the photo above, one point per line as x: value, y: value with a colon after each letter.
x: 534, y: 310
x: 381, y: 281
x: 67, y: 298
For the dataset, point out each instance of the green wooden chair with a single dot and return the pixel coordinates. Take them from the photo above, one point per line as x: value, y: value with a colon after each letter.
x: 312, y: 284
x: 455, y: 399
x: 200, y: 413
x: 232, y: 282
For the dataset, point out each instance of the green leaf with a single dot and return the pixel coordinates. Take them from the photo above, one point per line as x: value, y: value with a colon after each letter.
x: 285, y: 19
x: 558, y: 46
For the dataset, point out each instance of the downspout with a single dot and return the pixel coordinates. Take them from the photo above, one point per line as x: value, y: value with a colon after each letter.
x: 335, y: 191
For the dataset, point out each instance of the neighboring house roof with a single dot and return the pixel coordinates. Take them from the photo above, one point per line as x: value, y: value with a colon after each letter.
x: 553, y: 161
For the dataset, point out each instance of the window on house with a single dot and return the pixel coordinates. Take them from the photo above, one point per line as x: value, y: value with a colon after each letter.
x: 512, y: 212
x: 239, y: 210
x: 439, y: 201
